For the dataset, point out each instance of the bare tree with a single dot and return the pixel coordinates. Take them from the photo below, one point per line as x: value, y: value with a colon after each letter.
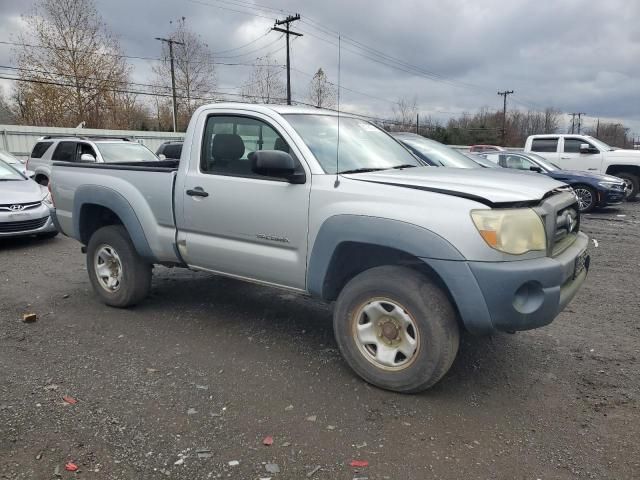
x: 265, y: 84
x: 404, y: 113
x: 194, y: 71
x: 322, y: 92
x: 77, y: 63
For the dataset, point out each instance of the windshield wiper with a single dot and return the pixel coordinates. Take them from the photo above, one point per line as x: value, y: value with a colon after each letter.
x: 405, y: 165
x: 361, y: 170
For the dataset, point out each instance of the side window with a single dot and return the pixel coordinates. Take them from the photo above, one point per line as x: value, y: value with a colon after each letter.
x: 86, y: 148
x: 544, y: 145
x: 517, y: 162
x: 65, y: 152
x: 228, y: 141
x: 40, y: 148
x: 572, y: 145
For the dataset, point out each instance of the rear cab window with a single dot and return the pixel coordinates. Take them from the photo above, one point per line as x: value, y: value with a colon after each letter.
x: 40, y: 148
x: 549, y: 144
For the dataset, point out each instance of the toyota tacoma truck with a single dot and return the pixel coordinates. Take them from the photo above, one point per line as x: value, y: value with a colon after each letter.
x: 583, y: 152
x: 333, y: 207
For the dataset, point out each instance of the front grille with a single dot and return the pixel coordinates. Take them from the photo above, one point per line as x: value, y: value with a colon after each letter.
x: 24, y: 226
x: 19, y: 207
x: 561, y: 217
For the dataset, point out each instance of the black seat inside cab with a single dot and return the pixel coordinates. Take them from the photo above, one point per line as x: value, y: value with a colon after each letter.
x: 227, y: 150
x: 281, y: 145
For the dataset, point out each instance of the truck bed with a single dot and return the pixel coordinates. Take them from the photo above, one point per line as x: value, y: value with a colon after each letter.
x: 143, y: 189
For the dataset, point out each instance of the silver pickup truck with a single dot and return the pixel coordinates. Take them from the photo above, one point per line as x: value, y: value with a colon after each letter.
x: 335, y: 208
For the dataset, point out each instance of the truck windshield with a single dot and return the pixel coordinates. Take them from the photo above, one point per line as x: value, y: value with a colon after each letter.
x: 115, y: 152
x: 600, y: 144
x: 363, y: 146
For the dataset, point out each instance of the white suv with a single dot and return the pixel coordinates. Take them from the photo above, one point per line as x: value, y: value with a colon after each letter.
x: 84, y: 149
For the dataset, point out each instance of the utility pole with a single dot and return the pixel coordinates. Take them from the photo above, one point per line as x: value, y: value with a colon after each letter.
x: 573, y: 121
x: 573, y: 118
x: 287, y: 32
x: 417, y: 123
x: 598, y: 128
x: 579, y: 121
x: 504, y: 113
x: 173, y: 79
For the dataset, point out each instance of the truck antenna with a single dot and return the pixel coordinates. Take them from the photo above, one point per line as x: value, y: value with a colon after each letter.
x: 337, y: 182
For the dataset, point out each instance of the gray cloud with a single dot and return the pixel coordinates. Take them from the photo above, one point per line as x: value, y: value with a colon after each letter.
x: 570, y: 54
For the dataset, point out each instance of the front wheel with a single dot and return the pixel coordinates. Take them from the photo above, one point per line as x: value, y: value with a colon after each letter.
x: 631, y: 184
x: 396, y: 329
x: 118, y: 274
x: 586, y: 198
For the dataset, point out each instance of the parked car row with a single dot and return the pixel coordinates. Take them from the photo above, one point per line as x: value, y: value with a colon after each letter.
x: 593, y: 190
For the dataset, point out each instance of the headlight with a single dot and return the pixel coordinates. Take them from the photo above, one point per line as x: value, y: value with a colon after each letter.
x: 606, y: 184
x: 515, y: 231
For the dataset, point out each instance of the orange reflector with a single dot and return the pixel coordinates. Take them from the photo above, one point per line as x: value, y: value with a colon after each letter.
x: 490, y: 236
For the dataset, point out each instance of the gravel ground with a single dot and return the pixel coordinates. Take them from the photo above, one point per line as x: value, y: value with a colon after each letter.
x: 205, y: 369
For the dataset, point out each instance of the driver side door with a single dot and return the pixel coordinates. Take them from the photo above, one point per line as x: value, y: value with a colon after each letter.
x: 572, y: 159
x: 237, y: 222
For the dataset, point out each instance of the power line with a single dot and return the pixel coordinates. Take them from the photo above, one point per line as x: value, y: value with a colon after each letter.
x: 132, y: 57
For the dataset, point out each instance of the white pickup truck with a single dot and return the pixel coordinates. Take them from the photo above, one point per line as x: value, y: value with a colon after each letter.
x: 583, y: 152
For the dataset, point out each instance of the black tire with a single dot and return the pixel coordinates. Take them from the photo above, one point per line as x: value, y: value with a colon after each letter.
x: 437, y: 334
x: 48, y: 235
x: 135, y: 280
x: 42, y: 180
x: 632, y: 181
x: 587, y: 197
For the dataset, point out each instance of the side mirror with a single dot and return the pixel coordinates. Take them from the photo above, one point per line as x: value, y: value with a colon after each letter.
x: 586, y: 148
x: 87, y: 157
x: 535, y: 169
x: 275, y: 163
x: 162, y: 156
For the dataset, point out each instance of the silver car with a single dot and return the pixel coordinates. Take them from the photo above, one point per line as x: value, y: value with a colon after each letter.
x: 25, y: 206
x: 14, y: 162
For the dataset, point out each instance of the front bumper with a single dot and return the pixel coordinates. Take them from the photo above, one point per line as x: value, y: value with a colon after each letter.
x: 34, y: 221
x: 518, y: 295
x: 611, y: 197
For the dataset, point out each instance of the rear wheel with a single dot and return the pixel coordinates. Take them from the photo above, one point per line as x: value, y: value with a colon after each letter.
x: 118, y: 274
x: 631, y: 184
x: 586, y: 198
x: 396, y: 329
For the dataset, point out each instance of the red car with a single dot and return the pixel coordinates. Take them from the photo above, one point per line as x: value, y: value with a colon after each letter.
x: 485, y: 148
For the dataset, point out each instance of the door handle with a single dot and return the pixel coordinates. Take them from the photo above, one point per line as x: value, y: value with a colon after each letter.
x: 197, y: 192
x: 565, y: 158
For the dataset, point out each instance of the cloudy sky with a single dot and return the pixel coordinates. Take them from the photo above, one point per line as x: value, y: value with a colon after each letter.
x: 453, y: 56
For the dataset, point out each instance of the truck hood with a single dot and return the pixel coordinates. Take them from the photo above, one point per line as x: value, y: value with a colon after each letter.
x: 631, y: 154
x: 20, y: 191
x: 486, y: 185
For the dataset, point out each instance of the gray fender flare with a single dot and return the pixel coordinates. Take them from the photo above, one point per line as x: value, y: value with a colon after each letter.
x: 114, y: 201
x: 407, y: 237
x: 432, y: 249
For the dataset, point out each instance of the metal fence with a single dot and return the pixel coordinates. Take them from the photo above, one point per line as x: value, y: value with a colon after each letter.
x: 20, y: 139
